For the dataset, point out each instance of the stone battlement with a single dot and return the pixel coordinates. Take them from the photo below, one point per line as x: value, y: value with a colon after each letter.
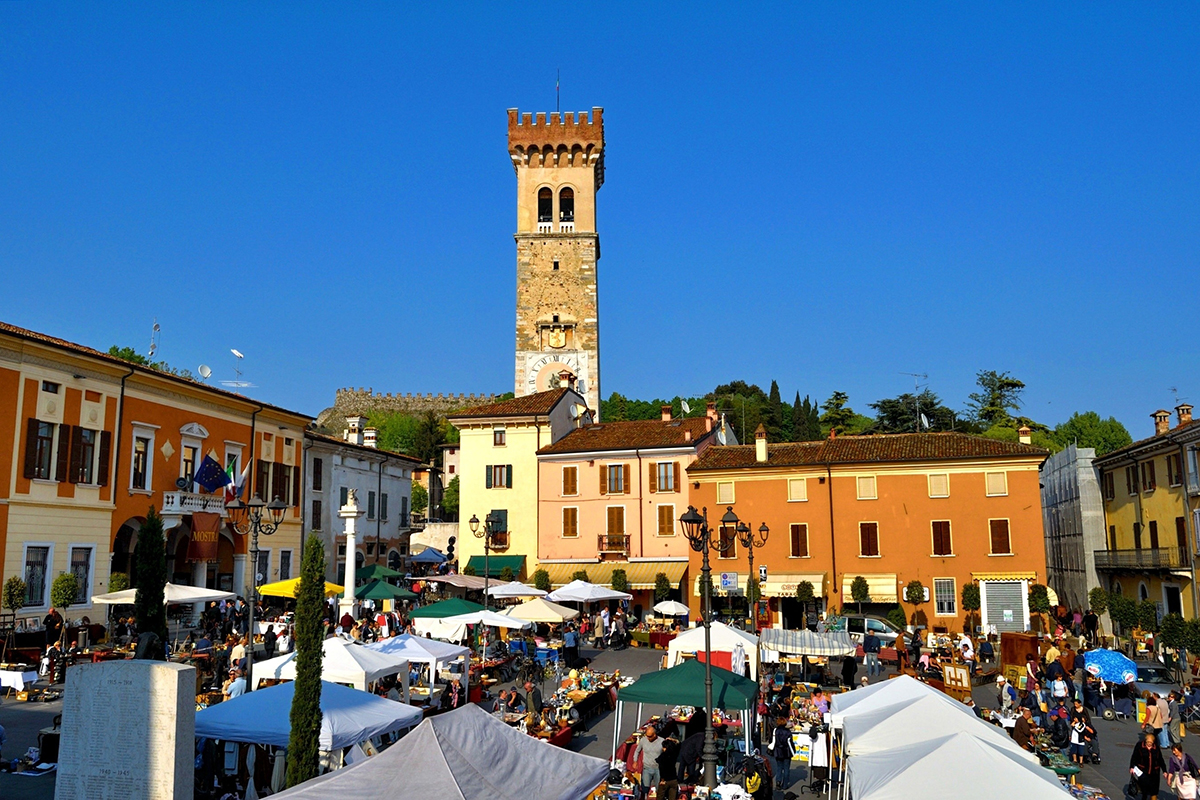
x: 363, y: 401
x: 525, y: 130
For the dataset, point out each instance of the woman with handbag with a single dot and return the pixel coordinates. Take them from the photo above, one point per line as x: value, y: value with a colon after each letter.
x: 1182, y: 773
x: 1146, y: 767
x: 1154, y: 720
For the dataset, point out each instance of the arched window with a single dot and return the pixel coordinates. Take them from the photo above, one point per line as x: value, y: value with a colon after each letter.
x: 545, y: 205
x: 566, y: 205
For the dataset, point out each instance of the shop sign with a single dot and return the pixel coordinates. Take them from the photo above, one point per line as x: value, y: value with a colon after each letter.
x: 729, y: 582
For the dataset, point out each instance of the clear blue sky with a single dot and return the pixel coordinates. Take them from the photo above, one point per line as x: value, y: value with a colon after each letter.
x: 830, y: 196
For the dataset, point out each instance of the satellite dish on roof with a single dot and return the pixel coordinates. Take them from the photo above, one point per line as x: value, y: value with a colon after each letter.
x: 577, y: 410
x: 205, y: 371
x: 684, y: 405
x: 721, y: 434
x: 924, y: 421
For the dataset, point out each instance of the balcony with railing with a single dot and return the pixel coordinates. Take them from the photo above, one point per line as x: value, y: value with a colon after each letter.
x: 1145, y: 558
x: 498, y: 542
x: 610, y: 543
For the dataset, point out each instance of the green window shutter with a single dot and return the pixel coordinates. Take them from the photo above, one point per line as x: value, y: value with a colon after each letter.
x: 487, y: 481
x: 508, y: 477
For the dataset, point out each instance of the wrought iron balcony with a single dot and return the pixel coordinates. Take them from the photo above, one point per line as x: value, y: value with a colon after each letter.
x: 613, y: 543
x: 1146, y: 558
x: 498, y: 542
x: 179, y: 503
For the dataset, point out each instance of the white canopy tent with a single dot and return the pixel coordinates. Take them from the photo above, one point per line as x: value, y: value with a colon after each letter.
x: 464, y: 755
x: 490, y: 618
x: 419, y: 650
x: 542, y: 610
x: 438, y: 628
x: 578, y: 591
x: 348, y: 717
x: 172, y: 593
x: 946, y: 768
x: 341, y: 662
x: 672, y: 608
x: 724, y: 640
x: 514, y: 589
x: 880, y: 694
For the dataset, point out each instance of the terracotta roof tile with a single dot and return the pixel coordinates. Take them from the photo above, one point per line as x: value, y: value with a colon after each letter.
x: 530, y: 404
x: 1140, y: 443
x: 337, y: 440
x: 630, y: 435
x: 880, y: 448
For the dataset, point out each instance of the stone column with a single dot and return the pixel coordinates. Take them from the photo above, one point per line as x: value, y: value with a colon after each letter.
x: 239, y: 573
x: 350, y: 514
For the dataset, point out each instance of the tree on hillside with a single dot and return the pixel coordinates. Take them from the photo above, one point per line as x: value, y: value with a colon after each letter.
x: 999, y: 395
x: 744, y: 405
x: 799, y: 419
x: 900, y: 414
x: 775, y: 422
x: 1087, y: 429
x: 305, y: 739
x: 838, y: 416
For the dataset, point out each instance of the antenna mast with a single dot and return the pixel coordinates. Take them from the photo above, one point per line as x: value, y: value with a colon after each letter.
x: 917, y: 378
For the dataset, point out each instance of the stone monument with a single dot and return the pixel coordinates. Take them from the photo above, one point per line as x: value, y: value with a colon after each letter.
x: 350, y: 514
x: 128, y: 732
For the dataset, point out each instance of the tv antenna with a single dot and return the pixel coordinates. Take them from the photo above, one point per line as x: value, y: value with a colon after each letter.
x: 921, y: 419
x: 1178, y: 400
x: 154, y: 330
x: 237, y: 382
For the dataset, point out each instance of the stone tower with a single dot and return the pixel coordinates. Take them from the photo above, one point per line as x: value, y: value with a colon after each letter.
x: 560, y: 167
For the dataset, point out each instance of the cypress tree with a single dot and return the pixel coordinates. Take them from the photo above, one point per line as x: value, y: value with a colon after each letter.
x: 814, y: 422
x: 799, y: 420
x: 304, y: 742
x: 150, y: 568
x: 774, y: 414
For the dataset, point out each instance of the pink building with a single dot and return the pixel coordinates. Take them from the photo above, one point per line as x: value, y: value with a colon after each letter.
x: 610, y: 497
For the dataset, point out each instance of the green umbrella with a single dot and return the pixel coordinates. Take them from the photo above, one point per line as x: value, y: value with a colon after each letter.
x: 378, y: 590
x: 373, y: 572
x: 445, y: 608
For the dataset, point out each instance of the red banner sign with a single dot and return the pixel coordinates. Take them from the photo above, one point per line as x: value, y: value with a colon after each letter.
x: 206, y: 533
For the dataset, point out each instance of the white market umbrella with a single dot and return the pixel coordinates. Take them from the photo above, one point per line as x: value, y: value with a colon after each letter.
x: 542, y: 610
x: 672, y: 608
x: 341, y: 662
x: 514, y: 589
x: 489, y: 618
x: 172, y: 593
x: 578, y: 591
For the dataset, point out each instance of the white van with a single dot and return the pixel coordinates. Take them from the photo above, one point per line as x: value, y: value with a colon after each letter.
x: 857, y: 626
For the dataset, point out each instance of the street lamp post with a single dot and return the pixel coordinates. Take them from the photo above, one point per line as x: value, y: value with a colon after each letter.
x: 248, y: 518
x: 491, y: 526
x: 747, y: 539
x: 701, y: 538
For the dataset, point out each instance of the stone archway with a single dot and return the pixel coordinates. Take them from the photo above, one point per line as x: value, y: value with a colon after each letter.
x: 124, y: 547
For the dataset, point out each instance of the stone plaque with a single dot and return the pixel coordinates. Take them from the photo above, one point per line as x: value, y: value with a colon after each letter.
x: 128, y: 732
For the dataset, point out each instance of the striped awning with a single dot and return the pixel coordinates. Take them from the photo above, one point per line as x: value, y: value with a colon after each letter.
x: 807, y: 643
x: 882, y: 586
x: 1015, y: 575
x: 639, y: 574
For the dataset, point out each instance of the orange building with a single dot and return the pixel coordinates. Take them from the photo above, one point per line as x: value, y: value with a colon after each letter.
x: 946, y: 509
x: 95, y: 441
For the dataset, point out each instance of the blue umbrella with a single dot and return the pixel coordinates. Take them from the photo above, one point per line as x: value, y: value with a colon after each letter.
x: 428, y: 556
x: 1109, y: 665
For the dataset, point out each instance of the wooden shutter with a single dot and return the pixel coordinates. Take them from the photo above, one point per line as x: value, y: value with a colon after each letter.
x: 296, y: 486
x: 799, y: 533
x: 1153, y: 534
x: 278, y: 482
x: 869, y: 538
x: 941, y: 538
x: 1153, y: 480
x: 105, y: 454
x: 487, y: 481
x: 318, y: 466
x: 626, y: 478
x: 1181, y: 532
x: 61, y: 468
x: 31, y: 441
x: 570, y: 523
x: 1000, y: 542
x: 676, y: 488
x: 1130, y: 473
x: 508, y: 476
x: 73, y: 475
x: 666, y: 521
x: 653, y: 468
x: 603, y: 479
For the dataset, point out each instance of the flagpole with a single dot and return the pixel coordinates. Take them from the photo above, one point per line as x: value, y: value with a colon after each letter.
x: 557, y: 85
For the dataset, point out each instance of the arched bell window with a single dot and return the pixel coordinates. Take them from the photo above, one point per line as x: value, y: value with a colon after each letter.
x: 566, y: 205
x: 545, y: 205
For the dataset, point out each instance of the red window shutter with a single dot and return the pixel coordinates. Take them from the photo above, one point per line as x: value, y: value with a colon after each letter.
x: 73, y: 475
x: 626, y: 476
x: 653, y: 469
x: 296, y: 486
x: 31, y: 435
x: 941, y: 538
x: 676, y: 488
x: 1000, y: 538
x: 62, y: 468
x: 105, y: 454
x: 603, y: 479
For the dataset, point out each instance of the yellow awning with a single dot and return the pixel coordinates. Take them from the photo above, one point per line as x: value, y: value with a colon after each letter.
x: 639, y: 574
x: 882, y: 587
x: 288, y: 588
x: 784, y: 584
x: 1016, y: 575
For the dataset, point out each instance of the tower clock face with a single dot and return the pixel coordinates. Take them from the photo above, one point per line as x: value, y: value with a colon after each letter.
x: 541, y: 371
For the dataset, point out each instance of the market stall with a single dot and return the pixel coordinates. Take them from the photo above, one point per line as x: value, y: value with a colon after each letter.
x: 579, y: 591
x: 725, y: 645
x: 438, y: 657
x: 341, y: 662
x: 288, y: 588
x: 172, y: 593
x: 542, y: 610
x: 513, y: 589
x: 464, y: 755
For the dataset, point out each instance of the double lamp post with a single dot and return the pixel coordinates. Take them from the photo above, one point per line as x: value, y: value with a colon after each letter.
x: 491, y: 527
x: 248, y: 518
x: 702, y: 539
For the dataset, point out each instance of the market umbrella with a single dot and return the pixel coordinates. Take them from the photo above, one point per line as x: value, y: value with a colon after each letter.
x: 672, y: 608
x: 289, y: 587
x: 514, y: 589
x: 429, y: 555
x: 542, y: 610
x: 172, y: 593
x: 376, y: 572
x: 578, y: 591
x: 445, y: 608
x: 1109, y: 665
x: 489, y: 618
x: 380, y: 590
x: 684, y: 686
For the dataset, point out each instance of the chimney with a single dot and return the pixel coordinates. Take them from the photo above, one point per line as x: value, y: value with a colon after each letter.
x: 760, y: 444
x: 354, y: 434
x: 687, y: 435
x: 1024, y: 435
x: 666, y: 413
x: 566, y: 379
x: 708, y: 423
x: 1162, y: 422
x: 710, y: 411
x: 370, y: 435
x: 1184, y: 413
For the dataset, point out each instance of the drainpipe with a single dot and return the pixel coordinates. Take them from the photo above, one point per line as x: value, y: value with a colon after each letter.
x: 832, y: 543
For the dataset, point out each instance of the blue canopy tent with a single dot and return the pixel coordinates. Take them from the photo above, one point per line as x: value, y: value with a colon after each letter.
x: 430, y: 555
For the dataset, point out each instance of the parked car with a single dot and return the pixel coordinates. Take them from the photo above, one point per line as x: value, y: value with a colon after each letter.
x: 1154, y: 677
x: 857, y: 626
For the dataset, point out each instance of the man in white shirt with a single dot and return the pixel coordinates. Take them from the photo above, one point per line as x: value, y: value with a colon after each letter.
x: 283, y: 642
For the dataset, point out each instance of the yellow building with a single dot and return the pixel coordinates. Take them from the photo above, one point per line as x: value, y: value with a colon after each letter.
x: 1150, y: 490
x: 498, y: 474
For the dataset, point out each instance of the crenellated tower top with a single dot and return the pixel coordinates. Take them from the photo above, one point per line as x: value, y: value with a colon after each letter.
x: 565, y: 140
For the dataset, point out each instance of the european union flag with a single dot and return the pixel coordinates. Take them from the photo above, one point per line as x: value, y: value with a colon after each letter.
x: 211, y: 476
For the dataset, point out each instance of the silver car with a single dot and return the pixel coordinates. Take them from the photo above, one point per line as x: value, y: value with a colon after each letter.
x: 1154, y: 677
x: 857, y: 626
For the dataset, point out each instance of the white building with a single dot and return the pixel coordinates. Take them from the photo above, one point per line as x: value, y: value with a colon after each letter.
x: 383, y: 480
x: 1073, y: 511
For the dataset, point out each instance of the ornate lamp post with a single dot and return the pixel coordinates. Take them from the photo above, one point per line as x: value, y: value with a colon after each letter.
x: 702, y: 539
x: 248, y: 518
x: 747, y: 539
x: 491, y: 526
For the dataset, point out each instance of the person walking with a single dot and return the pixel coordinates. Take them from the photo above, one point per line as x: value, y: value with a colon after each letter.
x: 1154, y: 715
x: 1182, y: 773
x: 871, y: 647
x: 783, y: 749
x: 1173, y: 718
x: 849, y: 670
x: 1164, y: 716
x: 649, y: 747
x: 570, y: 646
x: 1146, y: 767
x: 1091, y: 623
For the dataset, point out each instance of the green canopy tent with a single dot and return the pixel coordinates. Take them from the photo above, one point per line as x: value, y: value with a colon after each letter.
x: 379, y: 590
x: 683, y: 685
x: 445, y: 608
x: 373, y: 572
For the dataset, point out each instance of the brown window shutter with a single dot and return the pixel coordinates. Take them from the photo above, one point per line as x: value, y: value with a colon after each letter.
x: 62, y: 467
x: 1000, y: 542
x: 1181, y: 531
x: 1153, y: 534
x: 260, y: 478
x: 278, y: 482
x: 73, y: 474
x: 31, y: 432
x: 603, y: 479
x: 676, y: 487
x: 653, y: 468
x: 296, y: 486
x: 627, y: 481
x: 1153, y: 479
x: 105, y: 454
